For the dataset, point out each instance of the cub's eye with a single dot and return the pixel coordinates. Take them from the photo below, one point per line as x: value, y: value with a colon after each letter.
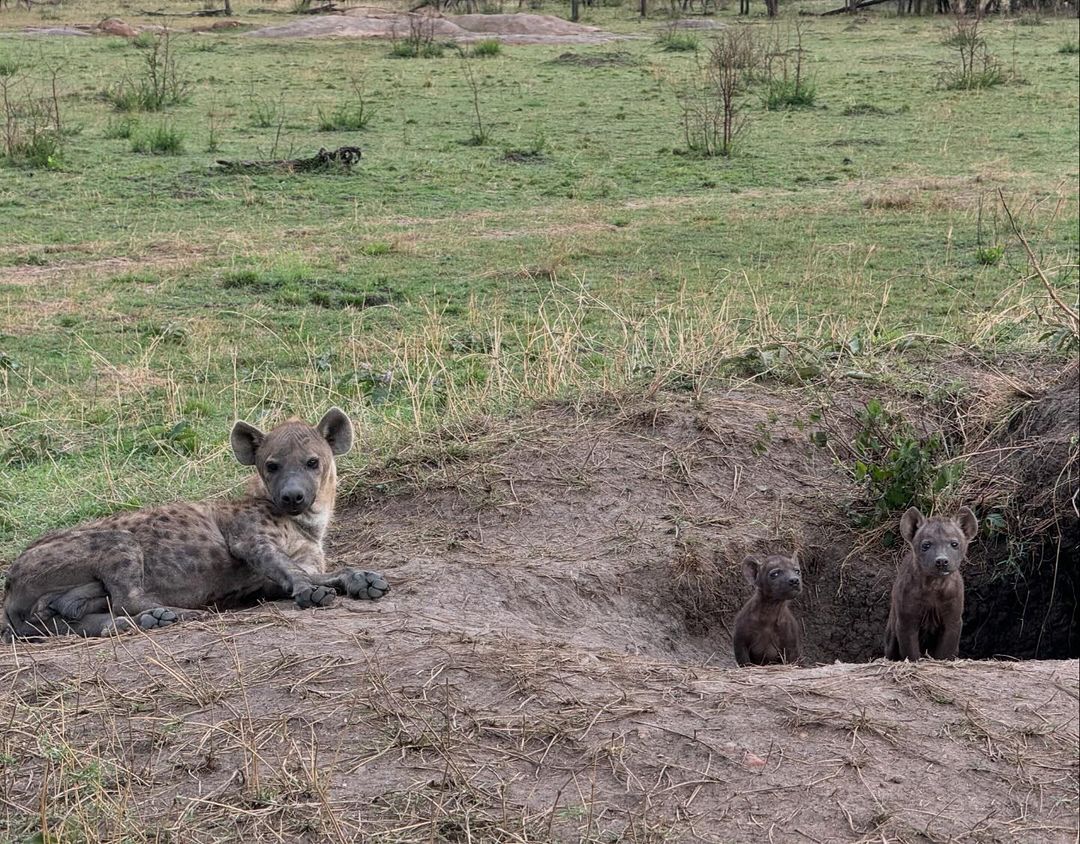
x: 272, y: 465
x: 926, y: 546
x: 955, y: 544
x: 313, y: 463
x: 775, y: 573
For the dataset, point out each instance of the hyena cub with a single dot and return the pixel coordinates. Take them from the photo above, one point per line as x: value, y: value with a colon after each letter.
x: 926, y: 613
x: 154, y: 567
x: 766, y: 630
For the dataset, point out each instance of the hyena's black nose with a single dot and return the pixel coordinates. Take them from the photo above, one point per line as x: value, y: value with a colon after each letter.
x: 794, y: 580
x: 942, y: 563
x: 293, y: 498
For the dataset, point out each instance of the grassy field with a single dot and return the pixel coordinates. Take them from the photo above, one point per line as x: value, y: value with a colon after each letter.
x: 146, y: 301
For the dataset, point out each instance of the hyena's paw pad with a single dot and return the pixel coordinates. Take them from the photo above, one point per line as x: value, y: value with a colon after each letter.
x: 157, y: 617
x: 366, y: 585
x: 315, y: 596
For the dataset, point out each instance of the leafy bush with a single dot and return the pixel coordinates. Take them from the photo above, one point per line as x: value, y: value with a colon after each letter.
x: 896, y: 467
x: 989, y: 256
x: 1069, y: 48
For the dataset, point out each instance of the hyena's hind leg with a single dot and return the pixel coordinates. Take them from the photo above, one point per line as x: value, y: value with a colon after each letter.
x: 39, y: 601
x: 88, y: 599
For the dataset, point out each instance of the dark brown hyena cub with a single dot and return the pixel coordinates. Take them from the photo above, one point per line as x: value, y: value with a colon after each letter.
x: 926, y: 613
x: 766, y: 630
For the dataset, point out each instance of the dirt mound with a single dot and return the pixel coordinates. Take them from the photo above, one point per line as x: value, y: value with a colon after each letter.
x: 509, y: 29
x: 371, y: 722
x: 554, y: 663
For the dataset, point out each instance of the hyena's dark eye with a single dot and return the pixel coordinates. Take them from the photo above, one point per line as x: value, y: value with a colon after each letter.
x: 955, y: 544
x: 313, y: 463
x: 926, y: 546
x: 272, y: 465
x: 775, y: 573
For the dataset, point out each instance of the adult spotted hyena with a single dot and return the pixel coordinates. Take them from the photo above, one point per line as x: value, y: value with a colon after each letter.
x: 157, y: 566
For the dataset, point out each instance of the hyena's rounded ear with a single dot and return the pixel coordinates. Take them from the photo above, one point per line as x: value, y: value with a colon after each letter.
x: 750, y: 567
x: 337, y: 430
x: 910, y: 523
x: 245, y: 440
x: 966, y: 521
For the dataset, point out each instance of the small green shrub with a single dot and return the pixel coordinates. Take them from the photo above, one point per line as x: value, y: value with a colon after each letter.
x: 8, y: 67
x: 41, y: 151
x: 674, y: 41
x: 989, y: 256
x: 161, y: 83
x: 1069, y: 48
x: 376, y: 248
x: 348, y: 117
x: 787, y: 93
x: 976, y: 80
x: 410, y: 50
x: 161, y: 140
x: 895, y: 466
x: 265, y: 114
x: 144, y: 40
x: 486, y: 49
x: 121, y: 130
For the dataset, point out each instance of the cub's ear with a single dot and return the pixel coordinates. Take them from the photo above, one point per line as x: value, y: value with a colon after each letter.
x: 910, y: 523
x: 245, y: 440
x: 337, y: 430
x: 966, y: 521
x: 795, y: 561
x: 750, y: 567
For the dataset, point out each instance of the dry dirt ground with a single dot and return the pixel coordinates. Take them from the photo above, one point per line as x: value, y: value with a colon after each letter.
x: 554, y: 663
x: 509, y: 29
x: 371, y: 22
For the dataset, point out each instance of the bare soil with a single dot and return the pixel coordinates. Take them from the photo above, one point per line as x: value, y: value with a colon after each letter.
x: 554, y: 663
x: 462, y: 29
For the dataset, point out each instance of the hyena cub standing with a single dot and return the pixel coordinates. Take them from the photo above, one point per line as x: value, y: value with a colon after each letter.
x: 157, y: 566
x: 927, y: 609
x: 766, y: 630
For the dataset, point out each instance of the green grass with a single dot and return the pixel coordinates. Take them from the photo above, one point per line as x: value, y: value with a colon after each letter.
x: 785, y: 93
x: 162, y: 139
x: 147, y: 300
x: 674, y: 41
x: 485, y: 48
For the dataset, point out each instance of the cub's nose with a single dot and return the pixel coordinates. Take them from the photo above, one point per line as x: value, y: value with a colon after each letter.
x: 942, y: 563
x: 794, y: 580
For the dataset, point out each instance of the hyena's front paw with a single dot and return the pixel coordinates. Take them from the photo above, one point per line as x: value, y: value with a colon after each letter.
x: 366, y: 585
x: 315, y: 596
x: 162, y: 617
